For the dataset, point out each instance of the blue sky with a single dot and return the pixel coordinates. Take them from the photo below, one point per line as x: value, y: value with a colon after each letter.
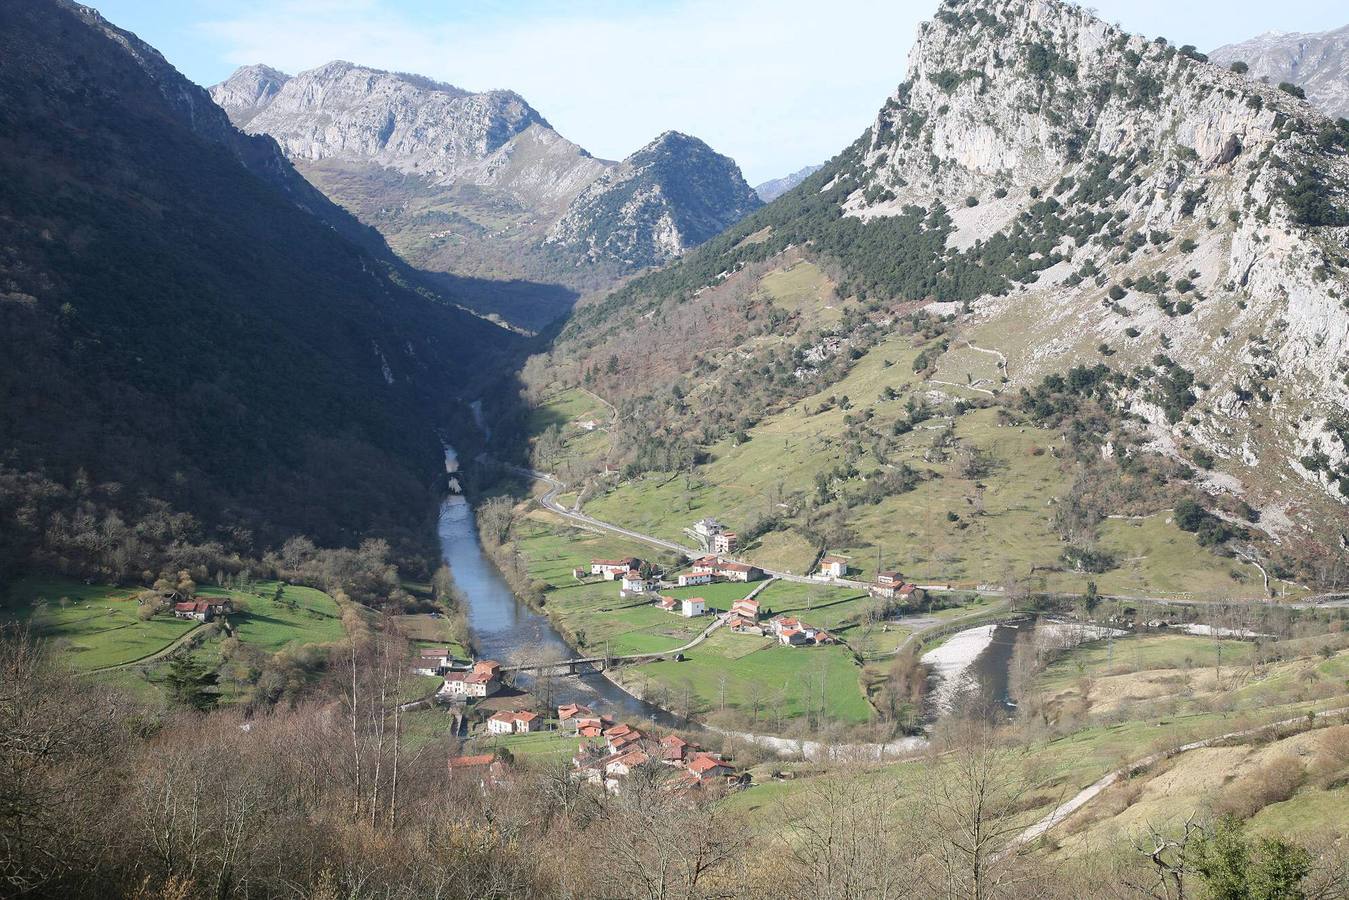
x: 777, y: 84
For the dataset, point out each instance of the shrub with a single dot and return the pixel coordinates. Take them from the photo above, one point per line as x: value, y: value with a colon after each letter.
x: 1239, y: 67
x: 1293, y: 90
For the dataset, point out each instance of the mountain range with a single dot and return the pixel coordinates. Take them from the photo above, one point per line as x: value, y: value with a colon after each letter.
x: 1318, y: 63
x: 480, y: 185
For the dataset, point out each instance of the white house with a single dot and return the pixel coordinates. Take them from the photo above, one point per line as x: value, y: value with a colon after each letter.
x: 633, y: 582
x: 694, y: 606
x: 889, y: 578
x: 834, y: 566
x: 512, y: 722
x: 724, y: 542
x: 690, y: 579
x: 669, y: 604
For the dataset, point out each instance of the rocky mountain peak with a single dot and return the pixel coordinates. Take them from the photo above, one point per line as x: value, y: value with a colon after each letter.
x: 248, y: 91
x: 672, y: 194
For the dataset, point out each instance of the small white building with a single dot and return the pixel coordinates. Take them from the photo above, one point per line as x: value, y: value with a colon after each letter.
x: 834, y: 566
x: 512, y: 722
x: 693, y: 607
x: 634, y: 583
x: 691, y: 579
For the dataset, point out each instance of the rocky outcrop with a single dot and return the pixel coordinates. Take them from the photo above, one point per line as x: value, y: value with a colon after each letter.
x: 671, y: 195
x: 1091, y: 159
x: 1318, y: 63
x: 248, y: 92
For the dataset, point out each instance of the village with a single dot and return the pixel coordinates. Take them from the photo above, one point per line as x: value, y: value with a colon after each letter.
x: 493, y: 711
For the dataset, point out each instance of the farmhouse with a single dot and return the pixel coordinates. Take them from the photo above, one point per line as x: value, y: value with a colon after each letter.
x: 513, y: 722
x: 593, y: 726
x: 571, y: 713
x: 694, y: 606
x: 669, y: 604
x: 741, y: 625
x: 614, y: 568
x: 432, y: 661
x: 734, y: 571
x: 483, y: 680
x: 833, y: 567
x: 202, y: 609
x: 724, y: 542
x: 625, y: 763
x: 632, y: 582
x: 895, y: 590
x: 706, y: 767
x: 691, y: 579
x: 707, y: 528
x: 488, y: 770
x: 706, y: 565
x: 889, y: 578
x: 747, y: 608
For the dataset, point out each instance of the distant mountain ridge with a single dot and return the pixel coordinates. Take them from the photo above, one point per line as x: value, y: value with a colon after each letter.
x: 479, y: 184
x: 1316, y: 62
x: 775, y: 188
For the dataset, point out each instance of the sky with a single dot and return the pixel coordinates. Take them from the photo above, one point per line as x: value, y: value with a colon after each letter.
x: 775, y: 84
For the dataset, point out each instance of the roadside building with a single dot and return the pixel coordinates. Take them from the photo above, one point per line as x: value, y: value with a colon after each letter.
x: 725, y: 542
x: 748, y: 608
x: 693, y: 579
x: 833, y: 567
x: 734, y: 571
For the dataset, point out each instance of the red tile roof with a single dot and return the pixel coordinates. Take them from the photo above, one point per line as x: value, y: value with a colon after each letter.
x: 470, y: 762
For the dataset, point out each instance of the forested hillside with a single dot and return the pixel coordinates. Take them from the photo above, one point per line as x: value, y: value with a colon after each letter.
x: 200, y: 355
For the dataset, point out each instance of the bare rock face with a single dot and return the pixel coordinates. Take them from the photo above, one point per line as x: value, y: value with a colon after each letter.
x: 1212, y: 206
x: 407, y: 123
x: 668, y: 197
x: 1318, y: 63
x: 479, y: 184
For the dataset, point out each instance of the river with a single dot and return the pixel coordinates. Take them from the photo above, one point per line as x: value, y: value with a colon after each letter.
x: 506, y: 629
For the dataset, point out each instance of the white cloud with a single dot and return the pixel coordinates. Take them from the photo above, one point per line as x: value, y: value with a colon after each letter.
x: 776, y: 84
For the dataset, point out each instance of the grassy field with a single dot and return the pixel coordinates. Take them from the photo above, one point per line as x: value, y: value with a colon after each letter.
x: 1063, y: 762
x: 303, y: 615
x: 767, y: 684
x: 951, y: 528
x: 91, y: 626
